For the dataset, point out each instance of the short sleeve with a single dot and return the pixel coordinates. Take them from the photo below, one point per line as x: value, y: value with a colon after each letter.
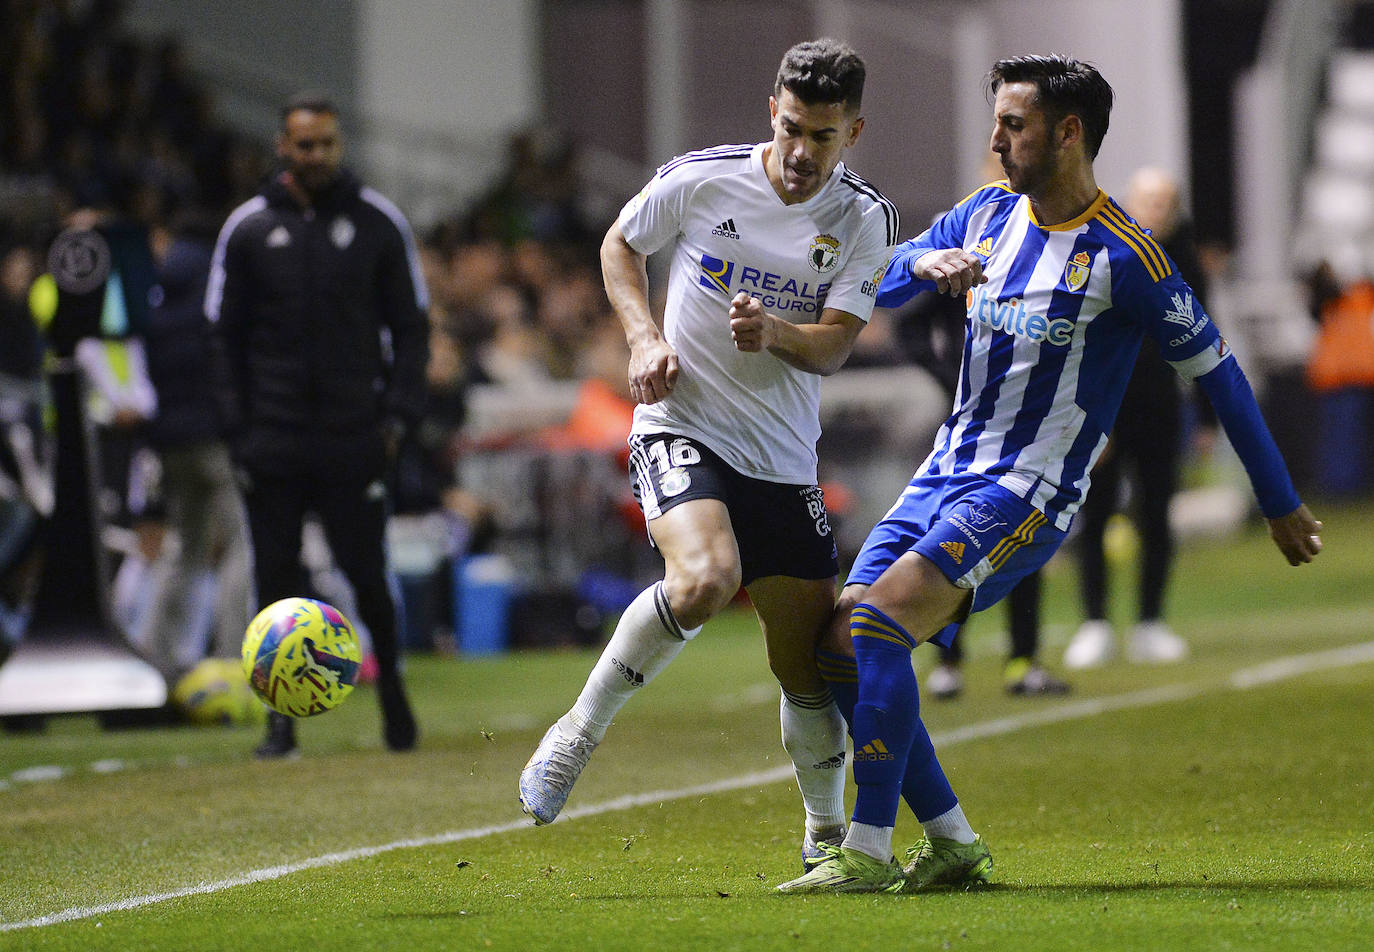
x: 654, y: 217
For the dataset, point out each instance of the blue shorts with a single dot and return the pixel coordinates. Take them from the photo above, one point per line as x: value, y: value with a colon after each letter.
x: 982, y: 537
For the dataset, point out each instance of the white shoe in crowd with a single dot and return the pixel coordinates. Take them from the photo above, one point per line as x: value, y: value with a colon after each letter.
x: 1155, y: 642
x: 1093, y: 645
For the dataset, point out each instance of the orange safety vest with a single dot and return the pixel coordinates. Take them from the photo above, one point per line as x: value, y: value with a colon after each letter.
x: 1344, y: 354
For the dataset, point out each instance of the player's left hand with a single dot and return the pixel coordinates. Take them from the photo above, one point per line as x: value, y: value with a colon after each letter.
x: 1297, y: 535
x: 750, y: 326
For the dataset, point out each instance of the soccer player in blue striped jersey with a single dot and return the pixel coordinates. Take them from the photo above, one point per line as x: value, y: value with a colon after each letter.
x: 1061, y: 287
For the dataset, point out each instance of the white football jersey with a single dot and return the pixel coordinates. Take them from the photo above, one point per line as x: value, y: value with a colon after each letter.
x: 730, y: 232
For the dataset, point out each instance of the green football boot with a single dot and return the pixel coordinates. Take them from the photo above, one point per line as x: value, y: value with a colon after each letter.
x: 936, y: 861
x: 848, y: 871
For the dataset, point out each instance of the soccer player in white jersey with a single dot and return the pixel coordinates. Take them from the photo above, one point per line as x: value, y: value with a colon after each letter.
x: 777, y: 250
x: 1061, y: 288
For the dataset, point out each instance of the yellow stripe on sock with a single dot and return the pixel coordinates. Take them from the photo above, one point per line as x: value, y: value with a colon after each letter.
x: 864, y: 623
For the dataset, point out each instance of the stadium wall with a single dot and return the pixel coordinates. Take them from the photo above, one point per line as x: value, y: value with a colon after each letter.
x: 433, y: 87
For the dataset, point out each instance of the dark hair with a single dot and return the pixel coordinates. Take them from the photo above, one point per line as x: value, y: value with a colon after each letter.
x: 310, y: 102
x: 822, y: 71
x: 1063, y: 85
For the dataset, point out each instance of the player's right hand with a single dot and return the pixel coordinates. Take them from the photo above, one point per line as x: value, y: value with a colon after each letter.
x: 653, y: 371
x: 954, y: 270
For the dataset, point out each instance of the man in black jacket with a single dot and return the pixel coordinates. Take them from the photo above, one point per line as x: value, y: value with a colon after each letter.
x: 317, y: 296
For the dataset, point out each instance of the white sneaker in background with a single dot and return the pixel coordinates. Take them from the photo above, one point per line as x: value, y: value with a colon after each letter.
x: 945, y: 682
x: 1155, y: 642
x: 1093, y: 645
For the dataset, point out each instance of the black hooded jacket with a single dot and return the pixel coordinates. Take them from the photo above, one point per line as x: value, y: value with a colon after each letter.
x: 321, y: 317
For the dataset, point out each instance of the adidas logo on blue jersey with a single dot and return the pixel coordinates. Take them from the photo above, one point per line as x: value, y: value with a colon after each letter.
x: 726, y: 229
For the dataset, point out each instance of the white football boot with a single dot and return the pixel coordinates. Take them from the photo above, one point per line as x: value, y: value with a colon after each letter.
x: 552, y: 770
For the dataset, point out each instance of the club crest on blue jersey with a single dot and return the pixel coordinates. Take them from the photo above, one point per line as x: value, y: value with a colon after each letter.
x: 1077, y: 270
x: 824, y: 253
x: 716, y: 273
x: 980, y: 517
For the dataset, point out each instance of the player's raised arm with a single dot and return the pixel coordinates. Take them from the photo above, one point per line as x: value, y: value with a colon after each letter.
x: 653, y: 364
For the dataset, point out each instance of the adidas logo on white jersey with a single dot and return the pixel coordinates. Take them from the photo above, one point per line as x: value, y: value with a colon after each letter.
x: 726, y: 229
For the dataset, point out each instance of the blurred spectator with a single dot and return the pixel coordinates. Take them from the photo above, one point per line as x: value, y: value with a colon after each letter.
x: 1148, y: 437
x: 1322, y: 287
x: 1341, y: 372
x: 435, y: 521
x: 538, y: 196
x: 25, y: 495
x: 198, y: 490
x: 21, y: 348
x: 92, y: 116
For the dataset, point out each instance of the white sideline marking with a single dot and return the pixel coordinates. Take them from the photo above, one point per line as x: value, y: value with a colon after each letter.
x: 363, y: 852
x: 1280, y: 669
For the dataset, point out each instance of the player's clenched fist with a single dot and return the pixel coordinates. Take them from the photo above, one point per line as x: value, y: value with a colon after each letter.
x: 749, y: 324
x: 954, y: 270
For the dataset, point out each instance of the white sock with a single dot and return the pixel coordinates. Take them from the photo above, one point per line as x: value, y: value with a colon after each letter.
x: 813, y: 734
x: 876, y: 841
x: 950, y: 825
x: 646, y: 639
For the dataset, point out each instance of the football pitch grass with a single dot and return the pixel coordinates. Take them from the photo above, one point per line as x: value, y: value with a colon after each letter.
x: 1226, y: 802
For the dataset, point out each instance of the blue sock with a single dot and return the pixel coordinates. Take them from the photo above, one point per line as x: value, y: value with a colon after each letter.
x: 925, y: 787
x: 841, y: 673
x: 886, y: 715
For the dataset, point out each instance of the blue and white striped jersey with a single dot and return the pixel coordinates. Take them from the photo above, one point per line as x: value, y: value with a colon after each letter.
x: 1051, y: 340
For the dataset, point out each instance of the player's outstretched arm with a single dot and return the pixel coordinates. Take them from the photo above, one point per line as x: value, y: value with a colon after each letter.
x: 653, y: 363
x: 1297, y: 535
x: 1294, y: 530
